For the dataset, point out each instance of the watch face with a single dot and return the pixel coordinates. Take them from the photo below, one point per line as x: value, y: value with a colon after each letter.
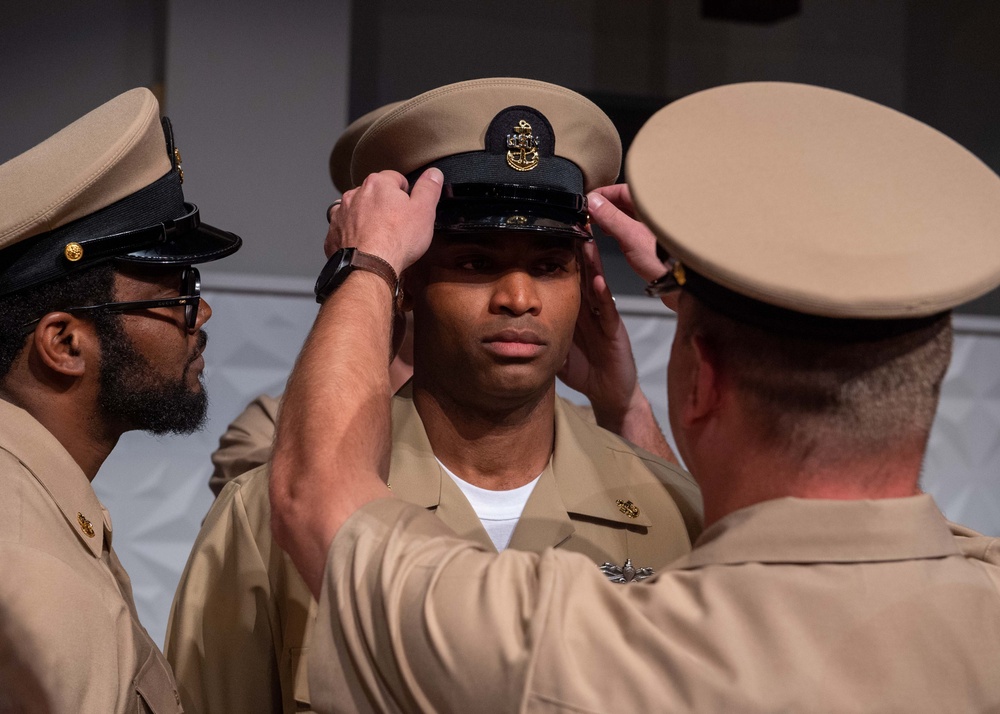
x: 337, y: 268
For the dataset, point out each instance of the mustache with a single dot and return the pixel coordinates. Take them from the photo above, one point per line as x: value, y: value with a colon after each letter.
x: 199, y: 347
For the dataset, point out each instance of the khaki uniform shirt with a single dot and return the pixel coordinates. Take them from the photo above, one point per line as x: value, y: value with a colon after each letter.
x: 242, y: 615
x: 246, y: 443
x: 787, y: 606
x: 248, y: 440
x: 64, y: 587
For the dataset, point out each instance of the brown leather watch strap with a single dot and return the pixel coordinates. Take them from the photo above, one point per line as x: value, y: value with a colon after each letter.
x: 374, y: 264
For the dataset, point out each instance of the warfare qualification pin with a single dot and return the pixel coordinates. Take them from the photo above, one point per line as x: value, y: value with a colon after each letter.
x: 522, y: 148
x: 627, y: 573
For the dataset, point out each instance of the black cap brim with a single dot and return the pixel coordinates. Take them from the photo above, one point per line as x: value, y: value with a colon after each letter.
x: 201, y: 243
x: 466, y: 207
x: 153, y: 226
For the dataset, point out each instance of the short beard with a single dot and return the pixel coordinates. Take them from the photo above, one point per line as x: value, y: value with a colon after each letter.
x: 134, y: 400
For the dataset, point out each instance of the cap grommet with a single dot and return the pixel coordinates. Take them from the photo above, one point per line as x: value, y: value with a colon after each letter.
x: 73, y: 252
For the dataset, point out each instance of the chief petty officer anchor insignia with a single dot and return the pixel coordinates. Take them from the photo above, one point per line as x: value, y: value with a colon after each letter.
x: 522, y: 148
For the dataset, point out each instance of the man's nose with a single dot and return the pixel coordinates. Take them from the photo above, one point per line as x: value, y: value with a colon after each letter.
x: 204, y: 313
x: 515, y: 293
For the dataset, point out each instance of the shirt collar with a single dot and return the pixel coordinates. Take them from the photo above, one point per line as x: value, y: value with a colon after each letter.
x: 795, y: 530
x: 414, y: 473
x: 587, y: 472
x: 581, y: 466
x: 52, y: 466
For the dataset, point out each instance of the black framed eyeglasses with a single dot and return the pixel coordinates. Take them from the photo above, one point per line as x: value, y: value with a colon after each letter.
x: 190, y: 298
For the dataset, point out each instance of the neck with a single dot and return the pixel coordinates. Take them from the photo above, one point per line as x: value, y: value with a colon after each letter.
x: 87, y: 440
x: 754, y: 476
x: 496, y: 450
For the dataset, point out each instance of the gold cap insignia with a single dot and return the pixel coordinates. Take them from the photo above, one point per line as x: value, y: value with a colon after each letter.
x: 177, y: 160
x: 628, y: 508
x: 679, y: 275
x: 522, y: 148
x: 85, y: 525
x: 73, y: 252
x: 627, y: 573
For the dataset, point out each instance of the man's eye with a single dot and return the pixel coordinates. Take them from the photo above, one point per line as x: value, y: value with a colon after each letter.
x: 552, y: 267
x: 474, y: 263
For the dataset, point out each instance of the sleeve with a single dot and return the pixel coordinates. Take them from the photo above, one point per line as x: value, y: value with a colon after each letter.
x: 224, y: 636
x: 246, y: 443
x: 413, y: 619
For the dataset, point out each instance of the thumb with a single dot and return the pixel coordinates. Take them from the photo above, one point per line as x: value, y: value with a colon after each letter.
x: 427, y: 189
x: 636, y: 241
x: 609, y: 217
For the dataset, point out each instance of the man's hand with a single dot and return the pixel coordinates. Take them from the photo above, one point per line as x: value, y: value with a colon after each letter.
x: 600, y: 364
x: 381, y: 218
x: 612, y: 209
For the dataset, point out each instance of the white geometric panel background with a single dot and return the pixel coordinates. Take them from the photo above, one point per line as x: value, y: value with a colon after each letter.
x: 156, y: 488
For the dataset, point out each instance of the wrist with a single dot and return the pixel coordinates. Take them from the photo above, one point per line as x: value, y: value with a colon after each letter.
x: 614, y: 416
x: 348, y: 260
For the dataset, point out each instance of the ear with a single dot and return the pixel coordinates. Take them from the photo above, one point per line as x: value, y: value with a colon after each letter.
x: 63, y: 343
x: 705, y: 396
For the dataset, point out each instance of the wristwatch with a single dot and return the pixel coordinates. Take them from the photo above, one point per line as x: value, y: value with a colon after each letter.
x: 344, y: 262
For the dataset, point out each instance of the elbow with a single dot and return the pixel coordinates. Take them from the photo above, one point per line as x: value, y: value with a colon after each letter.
x: 294, y: 527
x: 284, y: 504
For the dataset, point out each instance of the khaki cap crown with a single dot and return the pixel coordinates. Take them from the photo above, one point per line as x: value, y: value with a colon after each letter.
x: 343, y: 150
x: 818, y: 201
x: 454, y: 119
x: 104, y: 156
x: 107, y: 187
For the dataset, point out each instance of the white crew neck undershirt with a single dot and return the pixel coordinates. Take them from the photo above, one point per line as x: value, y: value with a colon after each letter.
x: 498, y: 511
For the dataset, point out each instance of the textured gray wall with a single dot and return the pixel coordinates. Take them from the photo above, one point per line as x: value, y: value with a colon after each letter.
x: 60, y: 59
x: 258, y: 95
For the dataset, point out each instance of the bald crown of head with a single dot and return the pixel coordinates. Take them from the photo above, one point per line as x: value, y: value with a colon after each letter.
x: 517, y: 154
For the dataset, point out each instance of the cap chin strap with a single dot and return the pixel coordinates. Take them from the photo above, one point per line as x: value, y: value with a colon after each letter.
x: 62, y: 259
x: 143, y: 219
x: 120, y: 244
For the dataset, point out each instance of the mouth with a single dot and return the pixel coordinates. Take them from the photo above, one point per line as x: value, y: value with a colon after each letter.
x: 516, y: 344
x: 196, y: 360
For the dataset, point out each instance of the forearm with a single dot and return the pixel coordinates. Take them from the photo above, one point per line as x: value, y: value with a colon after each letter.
x: 636, y: 422
x: 331, y: 452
